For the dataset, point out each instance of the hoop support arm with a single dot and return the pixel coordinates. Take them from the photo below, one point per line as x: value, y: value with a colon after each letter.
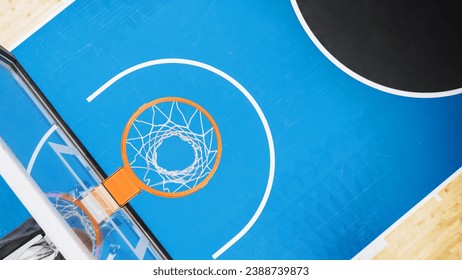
x: 121, y: 187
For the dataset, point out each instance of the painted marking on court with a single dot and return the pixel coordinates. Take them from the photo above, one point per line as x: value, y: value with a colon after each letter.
x: 359, y: 78
x: 249, y: 97
x: 39, y: 147
x: 378, y: 244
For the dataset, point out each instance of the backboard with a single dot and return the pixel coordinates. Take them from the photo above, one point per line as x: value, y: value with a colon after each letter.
x: 44, y: 164
x: 317, y: 162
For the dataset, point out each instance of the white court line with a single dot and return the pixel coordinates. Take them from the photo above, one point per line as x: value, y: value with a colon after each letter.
x: 38, y: 205
x: 361, y: 78
x: 379, y: 243
x: 39, y: 146
x: 249, y: 97
x: 63, y: 6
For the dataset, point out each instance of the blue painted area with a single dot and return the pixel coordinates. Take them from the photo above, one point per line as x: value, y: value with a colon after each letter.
x: 58, y: 168
x: 350, y: 160
x: 16, y: 104
x: 22, y: 127
x: 12, y: 213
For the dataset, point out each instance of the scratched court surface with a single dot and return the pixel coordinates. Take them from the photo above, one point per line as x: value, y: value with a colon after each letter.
x: 315, y: 163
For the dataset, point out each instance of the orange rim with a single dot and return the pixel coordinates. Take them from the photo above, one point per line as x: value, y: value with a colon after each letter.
x: 132, y: 174
x: 92, y: 220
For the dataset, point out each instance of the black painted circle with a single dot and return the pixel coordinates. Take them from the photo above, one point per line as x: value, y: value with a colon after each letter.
x: 402, y: 44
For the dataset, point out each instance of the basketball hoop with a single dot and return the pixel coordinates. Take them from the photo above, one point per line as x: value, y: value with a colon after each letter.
x: 79, y: 219
x: 147, y: 131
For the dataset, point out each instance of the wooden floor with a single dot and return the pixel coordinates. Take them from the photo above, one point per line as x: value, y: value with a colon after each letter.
x: 19, y: 18
x: 432, y: 230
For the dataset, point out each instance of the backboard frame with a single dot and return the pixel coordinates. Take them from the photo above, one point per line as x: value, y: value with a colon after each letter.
x: 19, y: 72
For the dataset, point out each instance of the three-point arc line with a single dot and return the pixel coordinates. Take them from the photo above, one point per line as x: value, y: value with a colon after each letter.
x: 249, y: 97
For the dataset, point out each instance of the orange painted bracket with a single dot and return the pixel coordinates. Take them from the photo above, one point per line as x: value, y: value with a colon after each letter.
x: 121, y: 187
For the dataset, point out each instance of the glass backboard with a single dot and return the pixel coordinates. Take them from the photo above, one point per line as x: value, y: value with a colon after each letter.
x: 41, y: 158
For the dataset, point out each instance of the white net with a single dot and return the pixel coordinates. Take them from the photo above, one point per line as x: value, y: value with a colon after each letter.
x: 78, y: 220
x: 175, y: 125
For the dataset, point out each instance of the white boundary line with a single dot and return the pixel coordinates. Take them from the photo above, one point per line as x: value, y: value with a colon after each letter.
x: 379, y: 243
x: 41, y: 24
x: 37, y: 149
x: 89, y: 200
x: 360, y: 78
x: 35, y: 201
x: 250, y: 98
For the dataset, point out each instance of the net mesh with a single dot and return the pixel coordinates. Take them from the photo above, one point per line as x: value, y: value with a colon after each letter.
x: 161, y: 123
x: 77, y: 219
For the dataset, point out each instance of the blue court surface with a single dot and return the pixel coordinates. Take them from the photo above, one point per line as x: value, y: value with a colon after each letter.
x: 315, y: 164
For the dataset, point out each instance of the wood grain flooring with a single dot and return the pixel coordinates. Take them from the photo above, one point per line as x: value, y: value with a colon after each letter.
x: 432, y: 232
x: 434, y: 229
x: 19, y: 18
